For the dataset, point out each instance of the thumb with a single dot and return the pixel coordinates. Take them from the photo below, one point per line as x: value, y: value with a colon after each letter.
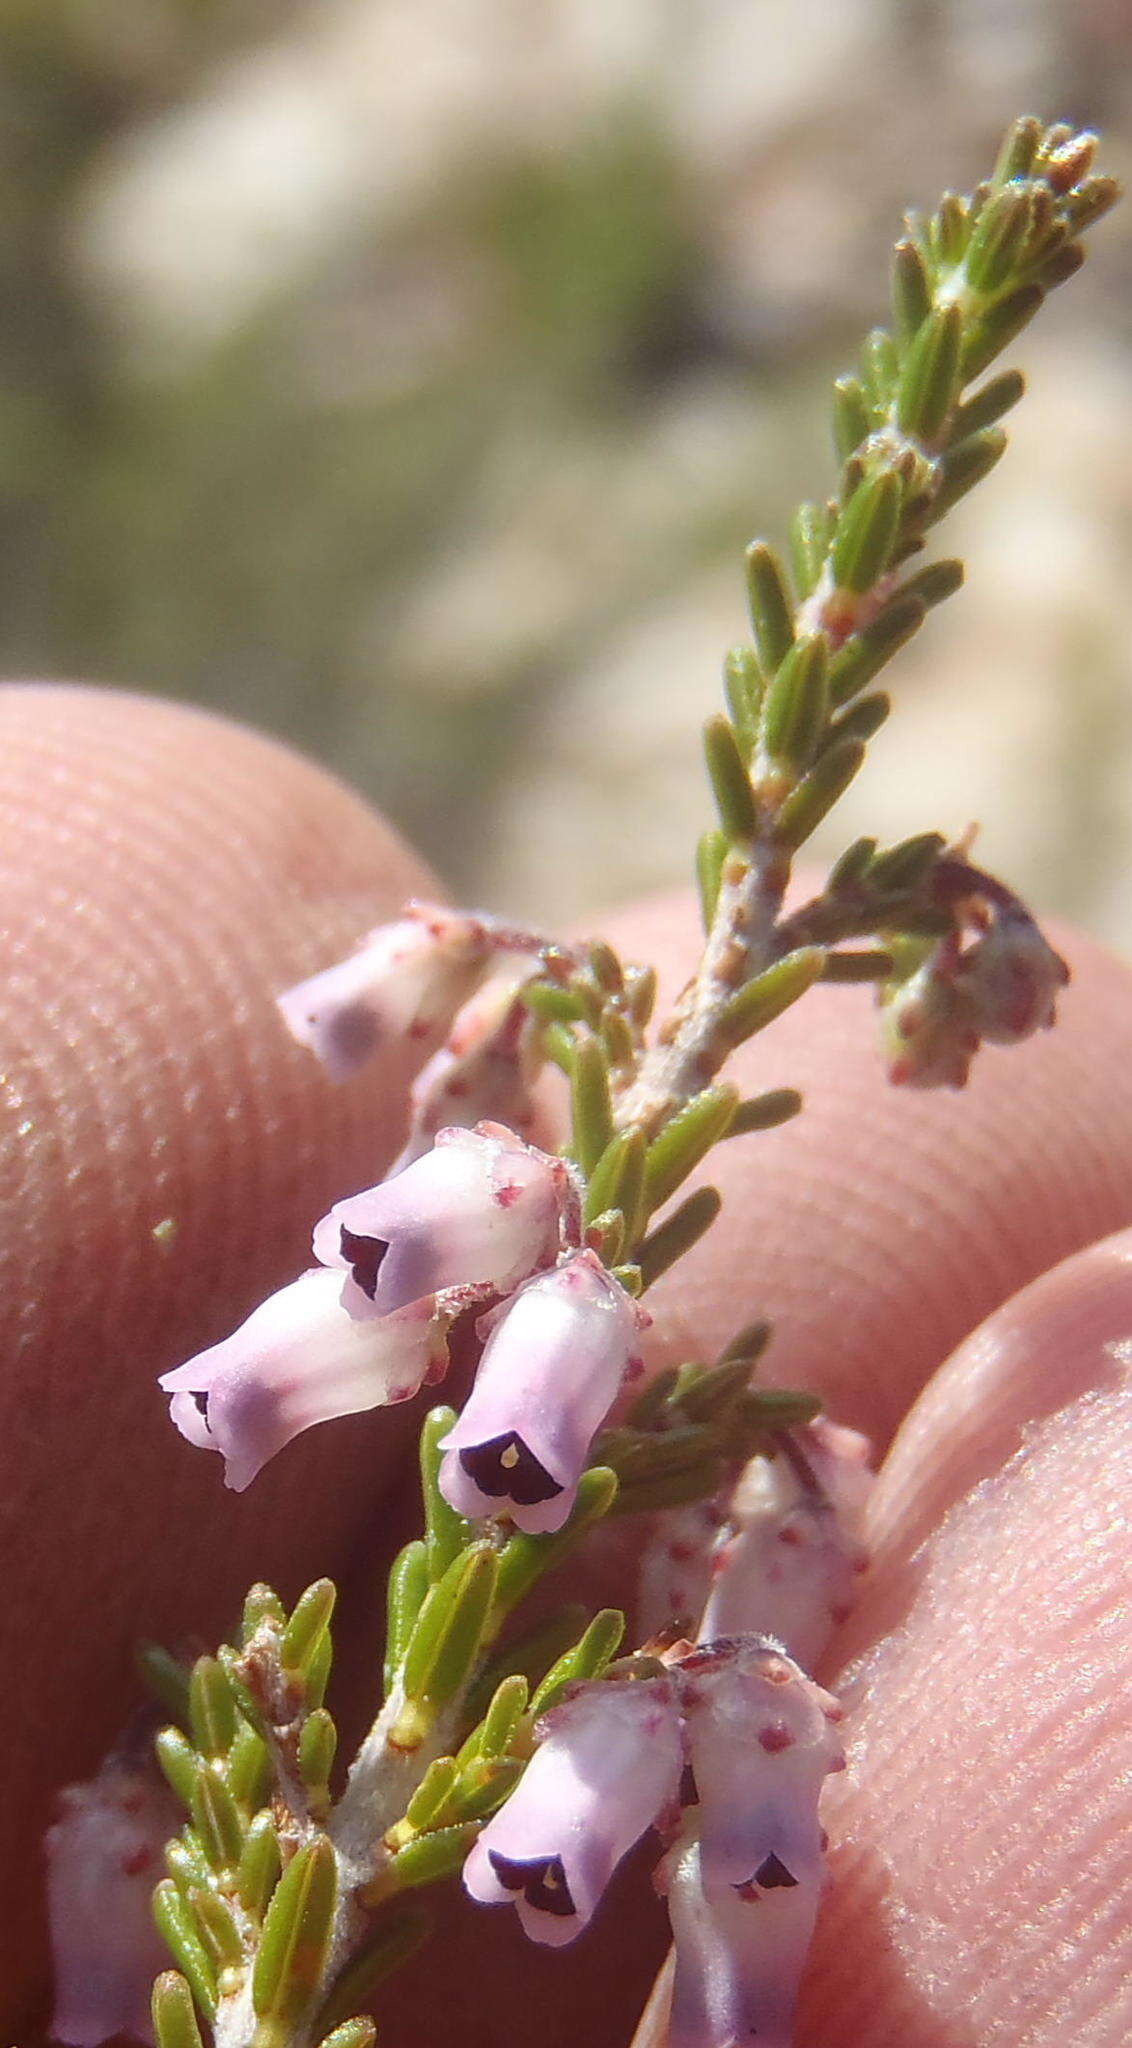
x: 163, y: 874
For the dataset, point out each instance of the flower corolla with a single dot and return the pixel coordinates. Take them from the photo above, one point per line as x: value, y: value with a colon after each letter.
x: 607, y: 1767
x: 551, y: 1370
x: 480, y: 1208
x: 745, y: 1880
x: 405, y: 980
x: 301, y: 1358
x: 485, y: 1069
x: 104, y: 1856
x: 791, y: 1557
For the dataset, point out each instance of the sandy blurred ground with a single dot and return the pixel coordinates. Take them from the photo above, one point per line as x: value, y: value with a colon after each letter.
x: 406, y: 375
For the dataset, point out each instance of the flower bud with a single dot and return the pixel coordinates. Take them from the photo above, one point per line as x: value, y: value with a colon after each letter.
x: 1012, y: 978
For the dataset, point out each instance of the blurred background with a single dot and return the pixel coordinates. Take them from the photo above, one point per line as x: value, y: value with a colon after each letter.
x: 405, y: 376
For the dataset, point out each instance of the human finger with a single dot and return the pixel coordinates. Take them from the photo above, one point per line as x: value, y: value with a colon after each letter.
x: 165, y: 1148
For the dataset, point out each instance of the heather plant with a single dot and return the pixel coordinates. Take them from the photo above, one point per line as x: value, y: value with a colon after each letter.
x: 532, y: 1757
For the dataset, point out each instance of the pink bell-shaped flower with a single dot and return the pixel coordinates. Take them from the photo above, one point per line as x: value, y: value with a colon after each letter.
x: 608, y: 1765
x: 479, y: 1209
x: 1013, y: 978
x: 406, y: 980
x: 300, y: 1358
x: 744, y: 1885
x: 104, y: 1857
x: 549, y: 1375
x: 790, y: 1564
x: 484, y: 1070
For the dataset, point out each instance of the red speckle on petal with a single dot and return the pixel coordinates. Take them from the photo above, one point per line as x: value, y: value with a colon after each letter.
x: 791, y: 1536
x: 137, y: 1861
x: 419, y: 1028
x: 775, y: 1737
x: 507, y: 1193
x: 680, y: 1552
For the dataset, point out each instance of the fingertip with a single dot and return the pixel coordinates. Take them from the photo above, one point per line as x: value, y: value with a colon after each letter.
x: 165, y: 1150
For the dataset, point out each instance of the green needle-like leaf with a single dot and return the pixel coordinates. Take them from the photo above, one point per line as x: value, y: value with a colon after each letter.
x: 866, y: 652
x: 483, y: 1788
x: 806, y: 806
x: 867, y: 530
x: 359, y: 2033
x: 178, y: 1929
x: 677, y: 1234
x: 862, y: 720
x: 446, y: 1641
x: 911, y: 292
x: 617, y: 1179
x: 590, y: 1106
x: 310, y: 1619
x: 430, y: 1857
x: 685, y: 1139
x: 764, y: 1112
x: 587, y: 1659
x: 711, y: 852
x: 218, y: 1822
x: 401, y: 1931
x: 179, y: 1761
x: 986, y: 406
x: 526, y: 1559
x: 729, y: 780
x: 446, y: 1532
x: 174, y: 2017
x: 247, y: 1770
x: 433, y: 1792
x: 260, y: 1863
x: 262, y: 1605
x: 166, y: 1678
x: 212, y: 1709
x: 771, y: 609
x: 743, y: 688
x: 493, y: 1736
x: 764, y: 998
x: 317, y: 1745
x: 218, y: 1928
x: 408, y: 1587
x: 296, y: 1934
x: 964, y: 466
x: 930, y: 377
x: 851, y: 421
x: 796, y: 706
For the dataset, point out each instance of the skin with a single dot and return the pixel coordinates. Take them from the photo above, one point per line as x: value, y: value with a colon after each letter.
x: 164, y: 876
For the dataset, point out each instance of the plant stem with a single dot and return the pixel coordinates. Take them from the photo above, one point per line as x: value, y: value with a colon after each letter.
x: 690, y: 1047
